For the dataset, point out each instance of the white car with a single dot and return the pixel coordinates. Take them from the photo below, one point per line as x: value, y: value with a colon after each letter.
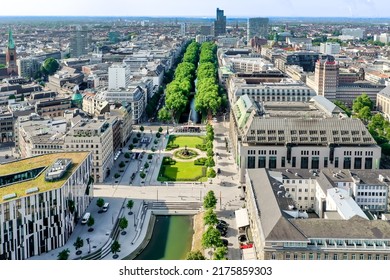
x: 141, y: 169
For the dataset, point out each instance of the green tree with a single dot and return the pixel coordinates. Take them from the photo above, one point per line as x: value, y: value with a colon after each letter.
x: 377, y: 123
x: 50, y: 66
x: 63, y: 255
x: 90, y: 223
x: 127, y: 155
x: 150, y: 156
x: 195, y: 255
x: 211, y: 238
x: 78, y: 243
x: 209, y: 201
x: 123, y: 223
x: 122, y: 164
x: 343, y: 107
x: 220, y: 253
x: 12, y: 96
x: 164, y: 115
x: 146, y: 165
x: 115, y: 248
x: 362, y: 101
x: 210, y: 162
x: 141, y: 128
x: 211, y: 173
x: 130, y: 205
x: 210, y: 152
x: 2, y: 66
x: 100, y: 202
x: 131, y: 146
x: 365, y: 113
x: 158, y: 134
x: 210, y: 218
x: 160, y: 129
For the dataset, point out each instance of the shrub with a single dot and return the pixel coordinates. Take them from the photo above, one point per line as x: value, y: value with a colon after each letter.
x: 155, y: 142
x: 142, y: 175
x: 146, y: 165
x: 139, y: 134
x: 116, y: 175
x: 122, y: 164
x: 158, y: 134
x: 160, y: 129
x: 171, y: 146
x: 131, y: 146
x: 150, y: 156
x: 168, y: 161
x: 127, y: 155
x: 135, y: 140
x: 200, y: 161
x: 201, y: 147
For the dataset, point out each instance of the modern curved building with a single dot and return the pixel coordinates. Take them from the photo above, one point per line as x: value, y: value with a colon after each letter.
x: 41, y: 200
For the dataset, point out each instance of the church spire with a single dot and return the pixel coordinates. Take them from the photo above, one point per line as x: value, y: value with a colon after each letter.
x: 11, y: 42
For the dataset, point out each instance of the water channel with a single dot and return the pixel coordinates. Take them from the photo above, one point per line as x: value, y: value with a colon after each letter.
x: 171, y: 239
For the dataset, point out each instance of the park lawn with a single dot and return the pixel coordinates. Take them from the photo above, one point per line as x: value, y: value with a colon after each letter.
x: 189, y: 141
x: 183, y: 171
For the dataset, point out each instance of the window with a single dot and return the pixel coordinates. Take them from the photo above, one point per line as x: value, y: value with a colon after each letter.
x: 336, y: 162
x: 272, y: 162
x: 304, y: 162
x: 295, y: 256
x: 251, y: 162
x: 287, y: 256
x: 345, y: 256
x: 353, y: 257
x: 283, y: 164
x: 325, y: 162
x: 294, y: 162
x: 335, y: 257
x: 361, y: 257
x: 315, y: 162
x: 358, y: 163
x: 368, y: 163
x: 347, y: 163
x: 261, y: 162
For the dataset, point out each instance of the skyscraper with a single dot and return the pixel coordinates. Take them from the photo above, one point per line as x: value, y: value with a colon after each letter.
x: 12, y: 68
x: 257, y: 27
x: 220, y: 23
x: 326, y: 77
x: 79, y: 42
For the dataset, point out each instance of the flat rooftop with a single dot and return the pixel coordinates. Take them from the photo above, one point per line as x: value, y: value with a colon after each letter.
x: 48, y: 160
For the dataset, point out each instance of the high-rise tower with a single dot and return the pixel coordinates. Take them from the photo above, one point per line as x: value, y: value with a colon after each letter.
x: 12, y: 68
x: 257, y: 27
x: 220, y: 23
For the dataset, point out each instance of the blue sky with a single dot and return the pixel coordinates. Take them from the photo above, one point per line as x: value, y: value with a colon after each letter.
x: 233, y: 8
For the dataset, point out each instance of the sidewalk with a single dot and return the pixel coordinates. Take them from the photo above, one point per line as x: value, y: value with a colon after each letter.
x: 103, y: 226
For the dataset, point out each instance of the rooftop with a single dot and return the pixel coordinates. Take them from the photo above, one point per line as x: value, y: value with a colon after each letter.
x: 35, y: 162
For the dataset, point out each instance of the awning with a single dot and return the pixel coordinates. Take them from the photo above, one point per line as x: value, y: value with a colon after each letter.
x: 249, y: 254
x: 242, y: 219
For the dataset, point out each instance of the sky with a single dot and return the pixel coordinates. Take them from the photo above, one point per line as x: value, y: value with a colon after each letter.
x: 198, y: 8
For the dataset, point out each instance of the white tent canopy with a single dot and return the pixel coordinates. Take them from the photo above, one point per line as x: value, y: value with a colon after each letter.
x: 242, y: 219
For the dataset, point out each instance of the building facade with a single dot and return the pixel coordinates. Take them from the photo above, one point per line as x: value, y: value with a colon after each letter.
x: 36, y: 220
x: 257, y: 27
x: 311, y: 135
x: 220, y: 23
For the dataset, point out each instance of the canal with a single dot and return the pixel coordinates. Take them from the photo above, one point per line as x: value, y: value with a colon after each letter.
x: 171, y: 239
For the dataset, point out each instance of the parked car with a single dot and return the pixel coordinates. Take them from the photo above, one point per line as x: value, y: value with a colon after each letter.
x: 223, y: 222
x: 221, y: 226
x: 222, y: 231
x: 225, y: 242
x: 242, y: 238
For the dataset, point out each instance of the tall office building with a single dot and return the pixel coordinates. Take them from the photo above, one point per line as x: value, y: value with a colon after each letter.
x: 220, y: 23
x: 79, y: 42
x: 257, y: 27
x: 326, y: 77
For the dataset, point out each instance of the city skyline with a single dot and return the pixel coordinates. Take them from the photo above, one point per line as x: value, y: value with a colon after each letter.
x: 247, y: 8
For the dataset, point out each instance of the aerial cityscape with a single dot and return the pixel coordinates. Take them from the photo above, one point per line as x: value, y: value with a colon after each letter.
x: 220, y: 133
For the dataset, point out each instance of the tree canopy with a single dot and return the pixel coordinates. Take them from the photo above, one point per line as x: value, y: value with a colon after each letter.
x: 50, y: 66
x: 220, y: 253
x: 211, y: 238
x: 209, y: 201
x: 210, y: 218
x: 195, y: 255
